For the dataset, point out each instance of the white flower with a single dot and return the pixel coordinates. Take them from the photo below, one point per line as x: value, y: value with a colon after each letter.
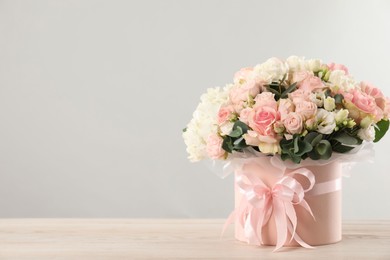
x: 341, y: 116
x: 226, y: 128
x: 317, y: 98
x: 341, y: 81
x: 296, y: 63
x: 367, y: 134
x: 325, y: 121
x: 313, y: 65
x: 204, y: 122
x: 271, y: 70
x: 329, y: 104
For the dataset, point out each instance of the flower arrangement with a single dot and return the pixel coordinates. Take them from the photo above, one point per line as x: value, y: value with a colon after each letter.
x: 296, y: 109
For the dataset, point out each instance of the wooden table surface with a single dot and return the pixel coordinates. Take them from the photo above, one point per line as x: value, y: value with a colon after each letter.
x: 169, y: 239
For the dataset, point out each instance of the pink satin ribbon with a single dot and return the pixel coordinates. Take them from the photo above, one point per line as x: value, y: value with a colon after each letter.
x: 260, y: 201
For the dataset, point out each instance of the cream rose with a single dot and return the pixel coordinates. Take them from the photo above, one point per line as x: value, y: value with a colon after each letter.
x: 214, y: 147
x: 293, y: 123
x: 285, y: 107
x: 306, y: 109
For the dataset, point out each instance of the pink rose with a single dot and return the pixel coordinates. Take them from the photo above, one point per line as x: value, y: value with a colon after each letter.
x: 371, y: 90
x: 333, y: 66
x: 306, y: 109
x: 301, y: 75
x: 299, y: 95
x: 293, y: 123
x: 266, y: 99
x: 311, y: 83
x: 286, y: 106
x: 364, y: 102
x: 261, y: 120
x: 242, y: 92
x: 377, y: 94
x: 386, y: 109
x: 214, y: 147
x: 244, y: 114
x: 224, y: 114
x: 242, y: 75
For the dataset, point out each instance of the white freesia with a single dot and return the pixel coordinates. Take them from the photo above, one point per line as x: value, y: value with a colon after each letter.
x: 296, y: 63
x: 341, y: 81
x: 325, y: 121
x: 271, y: 70
x: 204, y: 122
x: 341, y: 116
x: 366, y: 134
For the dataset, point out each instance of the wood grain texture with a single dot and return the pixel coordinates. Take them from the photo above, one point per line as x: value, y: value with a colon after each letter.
x: 169, y: 239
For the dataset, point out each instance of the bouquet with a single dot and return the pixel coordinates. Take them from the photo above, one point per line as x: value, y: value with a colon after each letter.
x: 286, y: 126
x: 295, y: 109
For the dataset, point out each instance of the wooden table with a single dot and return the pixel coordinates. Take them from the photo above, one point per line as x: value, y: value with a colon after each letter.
x: 169, y: 239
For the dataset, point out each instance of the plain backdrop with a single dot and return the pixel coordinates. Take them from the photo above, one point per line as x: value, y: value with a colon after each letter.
x: 94, y: 95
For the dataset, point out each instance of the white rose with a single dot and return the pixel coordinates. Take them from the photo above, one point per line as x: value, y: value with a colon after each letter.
x: 313, y: 65
x: 367, y: 134
x: 329, y: 104
x: 325, y: 121
x: 341, y: 80
x: 271, y: 70
x: 204, y: 122
x: 295, y: 63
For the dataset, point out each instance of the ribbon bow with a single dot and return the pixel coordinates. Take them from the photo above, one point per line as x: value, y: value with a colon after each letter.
x: 260, y: 201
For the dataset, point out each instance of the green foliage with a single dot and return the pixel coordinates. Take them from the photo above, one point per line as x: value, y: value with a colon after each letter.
x: 295, y: 149
x: 338, y: 98
x: 381, y: 129
x: 281, y: 89
x: 235, y: 140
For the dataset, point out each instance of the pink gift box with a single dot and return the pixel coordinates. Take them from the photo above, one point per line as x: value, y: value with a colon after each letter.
x: 324, y: 200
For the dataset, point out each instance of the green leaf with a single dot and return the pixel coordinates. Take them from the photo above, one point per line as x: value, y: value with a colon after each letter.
x: 324, y: 149
x: 184, y: 130
x: 241, y: 124
x: 313, y: 155
x: 237, y: 132
x: 239, y: 144
x: 227, y: 144
x: 381, y: 129
x: 239, y: 128
x: 345, y: 138
x: 291, y: 88
x: 275, y: 92
x: 304, y: 147
x: 339, y: 148
x: 338, y: 98
x: 296, y: 146
x: 313, y: 138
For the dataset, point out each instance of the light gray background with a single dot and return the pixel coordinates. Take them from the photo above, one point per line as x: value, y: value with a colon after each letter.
x: 94, y: 94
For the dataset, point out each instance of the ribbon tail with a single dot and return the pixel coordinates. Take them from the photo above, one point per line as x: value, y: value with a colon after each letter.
x: 251, y: 227
x: 291, y: 214
x: 281, y: 223
x: 228, y: 221
x: 300, y: 240
x: 307, y: 207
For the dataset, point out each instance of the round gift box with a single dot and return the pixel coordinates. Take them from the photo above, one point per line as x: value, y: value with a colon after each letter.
x: 324, y: 228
